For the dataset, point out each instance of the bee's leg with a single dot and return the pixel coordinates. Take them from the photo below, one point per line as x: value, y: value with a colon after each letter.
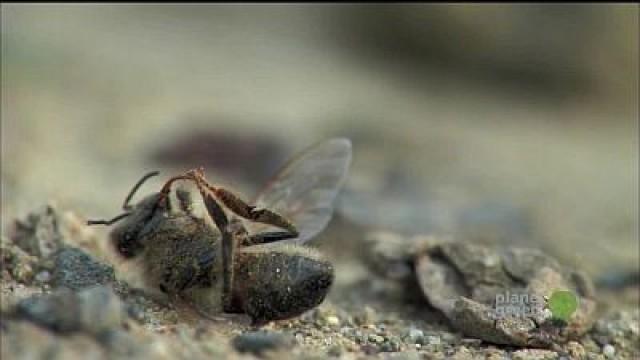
x: 204, y: 269
x: 185, y: 200
x: 185, y: 307
x: 189, y: 302
x: 176, y: 280
x: 267, y: 237
x: 237, y: 205
x: 163, y: 197
x: 182, y: 278
x: 250, y: 212
x: 188, y: 277
x: 219, y: 217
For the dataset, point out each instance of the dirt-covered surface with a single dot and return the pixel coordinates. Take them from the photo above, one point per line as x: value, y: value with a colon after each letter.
x: 520, y: 136
x: 61, y: 299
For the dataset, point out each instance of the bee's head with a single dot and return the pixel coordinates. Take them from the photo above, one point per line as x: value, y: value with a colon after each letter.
x: 126, y: 235
x: 131, y: 224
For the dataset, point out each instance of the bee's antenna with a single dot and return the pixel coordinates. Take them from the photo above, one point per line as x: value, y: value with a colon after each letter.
x: 126, y: 205
x: 109, y: 222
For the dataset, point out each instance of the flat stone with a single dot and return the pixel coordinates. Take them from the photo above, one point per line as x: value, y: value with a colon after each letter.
x: 75, y: 269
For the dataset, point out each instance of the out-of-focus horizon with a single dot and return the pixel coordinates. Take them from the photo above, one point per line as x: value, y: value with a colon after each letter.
x: 512, y: 123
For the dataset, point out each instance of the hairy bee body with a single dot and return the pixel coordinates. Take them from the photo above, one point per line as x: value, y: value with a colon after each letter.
x: 280, y: 281
x: 181, y: 252
x: 181, y: 255
x: 238, y: 263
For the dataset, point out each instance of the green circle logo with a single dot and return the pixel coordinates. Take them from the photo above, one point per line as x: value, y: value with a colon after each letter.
x: 563, y: 304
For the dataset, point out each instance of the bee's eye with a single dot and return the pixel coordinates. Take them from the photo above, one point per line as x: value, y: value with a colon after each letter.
x: 124, y: 250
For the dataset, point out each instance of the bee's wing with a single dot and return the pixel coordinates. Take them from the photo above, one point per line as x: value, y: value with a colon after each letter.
x: 304, y: 190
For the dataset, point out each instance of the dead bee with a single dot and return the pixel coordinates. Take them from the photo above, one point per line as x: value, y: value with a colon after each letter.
x: 240, y: 265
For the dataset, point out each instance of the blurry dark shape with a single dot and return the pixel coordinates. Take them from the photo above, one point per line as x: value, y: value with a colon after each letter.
x: 259, y: 342
x: 16, y: 262
x: 95, y: 310
x: 383, y: 211
x: 392, y: 199
x: 388, y: 255
x: 415, y: 213
x: 250, y: 157
x: 494, y: 220
x: 536, y: 48
x: 39, y: 234
x: 393, y: 193
x: 619, y: 279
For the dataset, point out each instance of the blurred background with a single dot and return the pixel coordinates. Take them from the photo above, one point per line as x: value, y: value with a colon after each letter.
x: 515, y: 124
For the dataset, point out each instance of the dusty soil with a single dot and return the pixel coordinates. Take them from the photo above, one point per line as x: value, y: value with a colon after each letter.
x: 51, y: 305
x: 514, y: 136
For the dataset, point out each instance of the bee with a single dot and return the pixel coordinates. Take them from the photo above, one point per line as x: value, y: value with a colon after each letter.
x: 239, y: 258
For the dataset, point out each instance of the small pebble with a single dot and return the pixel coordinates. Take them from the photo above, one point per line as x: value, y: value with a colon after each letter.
x: 43, y: 277
x: 534, y: 354
x: 100, y: 309
x: 405, y: 355
x: 394, y: 344
x: 51, y: 311
x: 415, y: 336
x: 335, y: 350
x: 333, y: 320
x: 448, y: 337
x: 432, y: 340
x: 471, y: 341
x: 386, y: 347
x: 376, y: 338
x: 576, y: 350
x: 94, y: 310
x: 39, y: 234
x: 609, y: 351
x: 257, y: 342
x: 369, y: 349
x: 368, y: 316
x: 462, y: 354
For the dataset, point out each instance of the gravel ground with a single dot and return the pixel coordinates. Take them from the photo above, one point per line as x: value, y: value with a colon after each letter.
x: 472, y: 124
x: 68, y: 304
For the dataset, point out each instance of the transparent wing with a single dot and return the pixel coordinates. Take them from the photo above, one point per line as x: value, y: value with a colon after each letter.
x: 304, y: 190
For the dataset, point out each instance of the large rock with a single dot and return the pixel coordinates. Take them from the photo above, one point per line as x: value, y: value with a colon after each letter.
x: 497, y: 295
